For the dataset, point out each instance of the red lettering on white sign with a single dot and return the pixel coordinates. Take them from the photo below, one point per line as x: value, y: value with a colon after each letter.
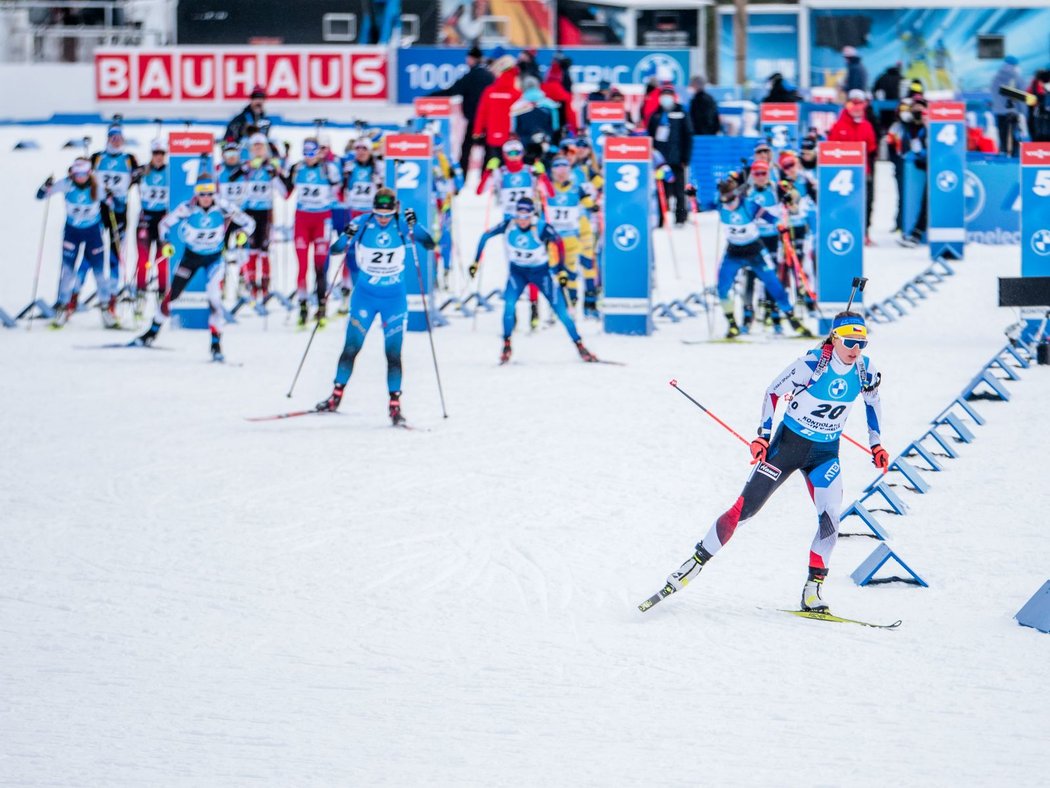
x: 324, y: 74
x: 197, y: 77
x: 112, y: 77
x: 155, y: 78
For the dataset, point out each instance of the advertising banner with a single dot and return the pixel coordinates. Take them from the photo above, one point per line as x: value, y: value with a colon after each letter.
x: 1035, y: 209
x: 421, y: 70
x: 840, y: 224
x: 772, y: 46
x: 627, y: 240
x: 957, y: 49
x: 189, y: 154
x: 946, y: 173
x: 202, y: 76
x: 409, y: 169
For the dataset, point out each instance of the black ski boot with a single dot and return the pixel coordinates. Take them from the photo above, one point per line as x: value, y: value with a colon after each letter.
x: 151, y: 334
x: 304, y: 313
x: 216, y: 347
x: 504, y: 357
x: 585, y: 354
x: 800, y: 330
x: 395, y: 409
x: 331, y: 404
x: 734, y: 330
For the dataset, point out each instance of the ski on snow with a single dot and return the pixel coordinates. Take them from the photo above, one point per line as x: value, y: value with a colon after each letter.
x: 118, y: 345
x: 313, y: 412
x: 815, y: 616
x: 663, y: 593
x: 668, y: 589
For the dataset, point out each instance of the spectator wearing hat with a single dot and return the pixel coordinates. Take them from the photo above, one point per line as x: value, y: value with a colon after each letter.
x: 655, y: 86
x: 911, y: 141
x: 781, y: 91
x: 1006, y: 109
x: 672, y: 134
x: 558, y: 88
x: 856, y: 74
x: 492, y: 122
x: 469, y: 88
x: 703, y: 109
x: 253, y: 115
x: 853, y: 125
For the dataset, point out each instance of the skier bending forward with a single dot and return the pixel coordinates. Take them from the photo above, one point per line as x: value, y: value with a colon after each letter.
x: 820, y: 388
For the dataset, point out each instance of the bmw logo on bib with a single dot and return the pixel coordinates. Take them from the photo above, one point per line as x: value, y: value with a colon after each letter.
x: 383, y: 239
x: 837, y: 389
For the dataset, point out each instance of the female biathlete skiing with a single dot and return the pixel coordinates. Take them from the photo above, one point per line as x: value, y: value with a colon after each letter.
x: 820, y: 388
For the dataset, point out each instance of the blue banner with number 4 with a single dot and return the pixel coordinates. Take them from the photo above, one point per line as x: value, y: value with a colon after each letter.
x: 840, y: 225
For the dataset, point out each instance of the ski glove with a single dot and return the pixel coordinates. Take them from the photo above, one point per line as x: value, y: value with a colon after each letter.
x: 350, y: 230
x: 410, y: 216
x: 690, y: 190
x: 563, y: 278
x: 240, y: 239
x: 473, y: 269
x: 759, y: 447
x: 880, y: 458
x: 167, y: 251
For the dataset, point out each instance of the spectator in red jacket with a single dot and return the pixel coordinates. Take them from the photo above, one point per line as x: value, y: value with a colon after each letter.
x: 492, y: 122
x: 555, y: 88
x: 854, y: 126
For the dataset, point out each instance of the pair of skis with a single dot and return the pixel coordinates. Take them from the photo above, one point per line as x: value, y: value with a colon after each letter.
x: 669, y: 589
x: 314, y: 412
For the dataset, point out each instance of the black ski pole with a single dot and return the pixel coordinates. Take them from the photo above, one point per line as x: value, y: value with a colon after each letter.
x: 313, y: 332
x: 426, y: 315
x: 858, y: 287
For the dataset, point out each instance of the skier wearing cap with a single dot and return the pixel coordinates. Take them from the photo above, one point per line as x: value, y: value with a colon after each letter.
x: 797, y: 192
x: 83, y: 228
x: 263, y: 176
x: 376, y: 245
x: 154, y: 184
x: 199, y: 224
x: 740, y: 216
x: 361, y: 179
x: 763, y: 193
x: 113, y: 168
x: 313, y: 180
x: 568, y: 212
x: 233, y: 190
x: 527, y: 242
x: 820, y: 388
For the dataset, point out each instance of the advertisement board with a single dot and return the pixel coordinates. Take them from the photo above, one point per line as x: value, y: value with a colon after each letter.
x: 421, y: 70
x: 202, y: 76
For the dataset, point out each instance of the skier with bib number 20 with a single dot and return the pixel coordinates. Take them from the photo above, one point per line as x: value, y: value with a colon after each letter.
x: 820, y: 388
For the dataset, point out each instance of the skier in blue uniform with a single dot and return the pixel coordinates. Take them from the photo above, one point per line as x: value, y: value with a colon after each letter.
x: 201, y: 226
x: 376, y: 245
x: 83, y: 229
x: 526, y: 242
x: 114, y: 168
x: 820, y: 388
x: 744, y: 248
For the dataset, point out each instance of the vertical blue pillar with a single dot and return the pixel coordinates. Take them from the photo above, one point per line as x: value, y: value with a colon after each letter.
x: 1035, y: 222
x: 189, y: 154
x: 779, y: 124
x: 627, y: 240
x: 946, y: 143
x: 409, y: 172
x: 840, y: 225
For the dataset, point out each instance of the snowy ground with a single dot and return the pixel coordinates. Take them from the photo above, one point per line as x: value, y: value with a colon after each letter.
x: 189, y: 598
